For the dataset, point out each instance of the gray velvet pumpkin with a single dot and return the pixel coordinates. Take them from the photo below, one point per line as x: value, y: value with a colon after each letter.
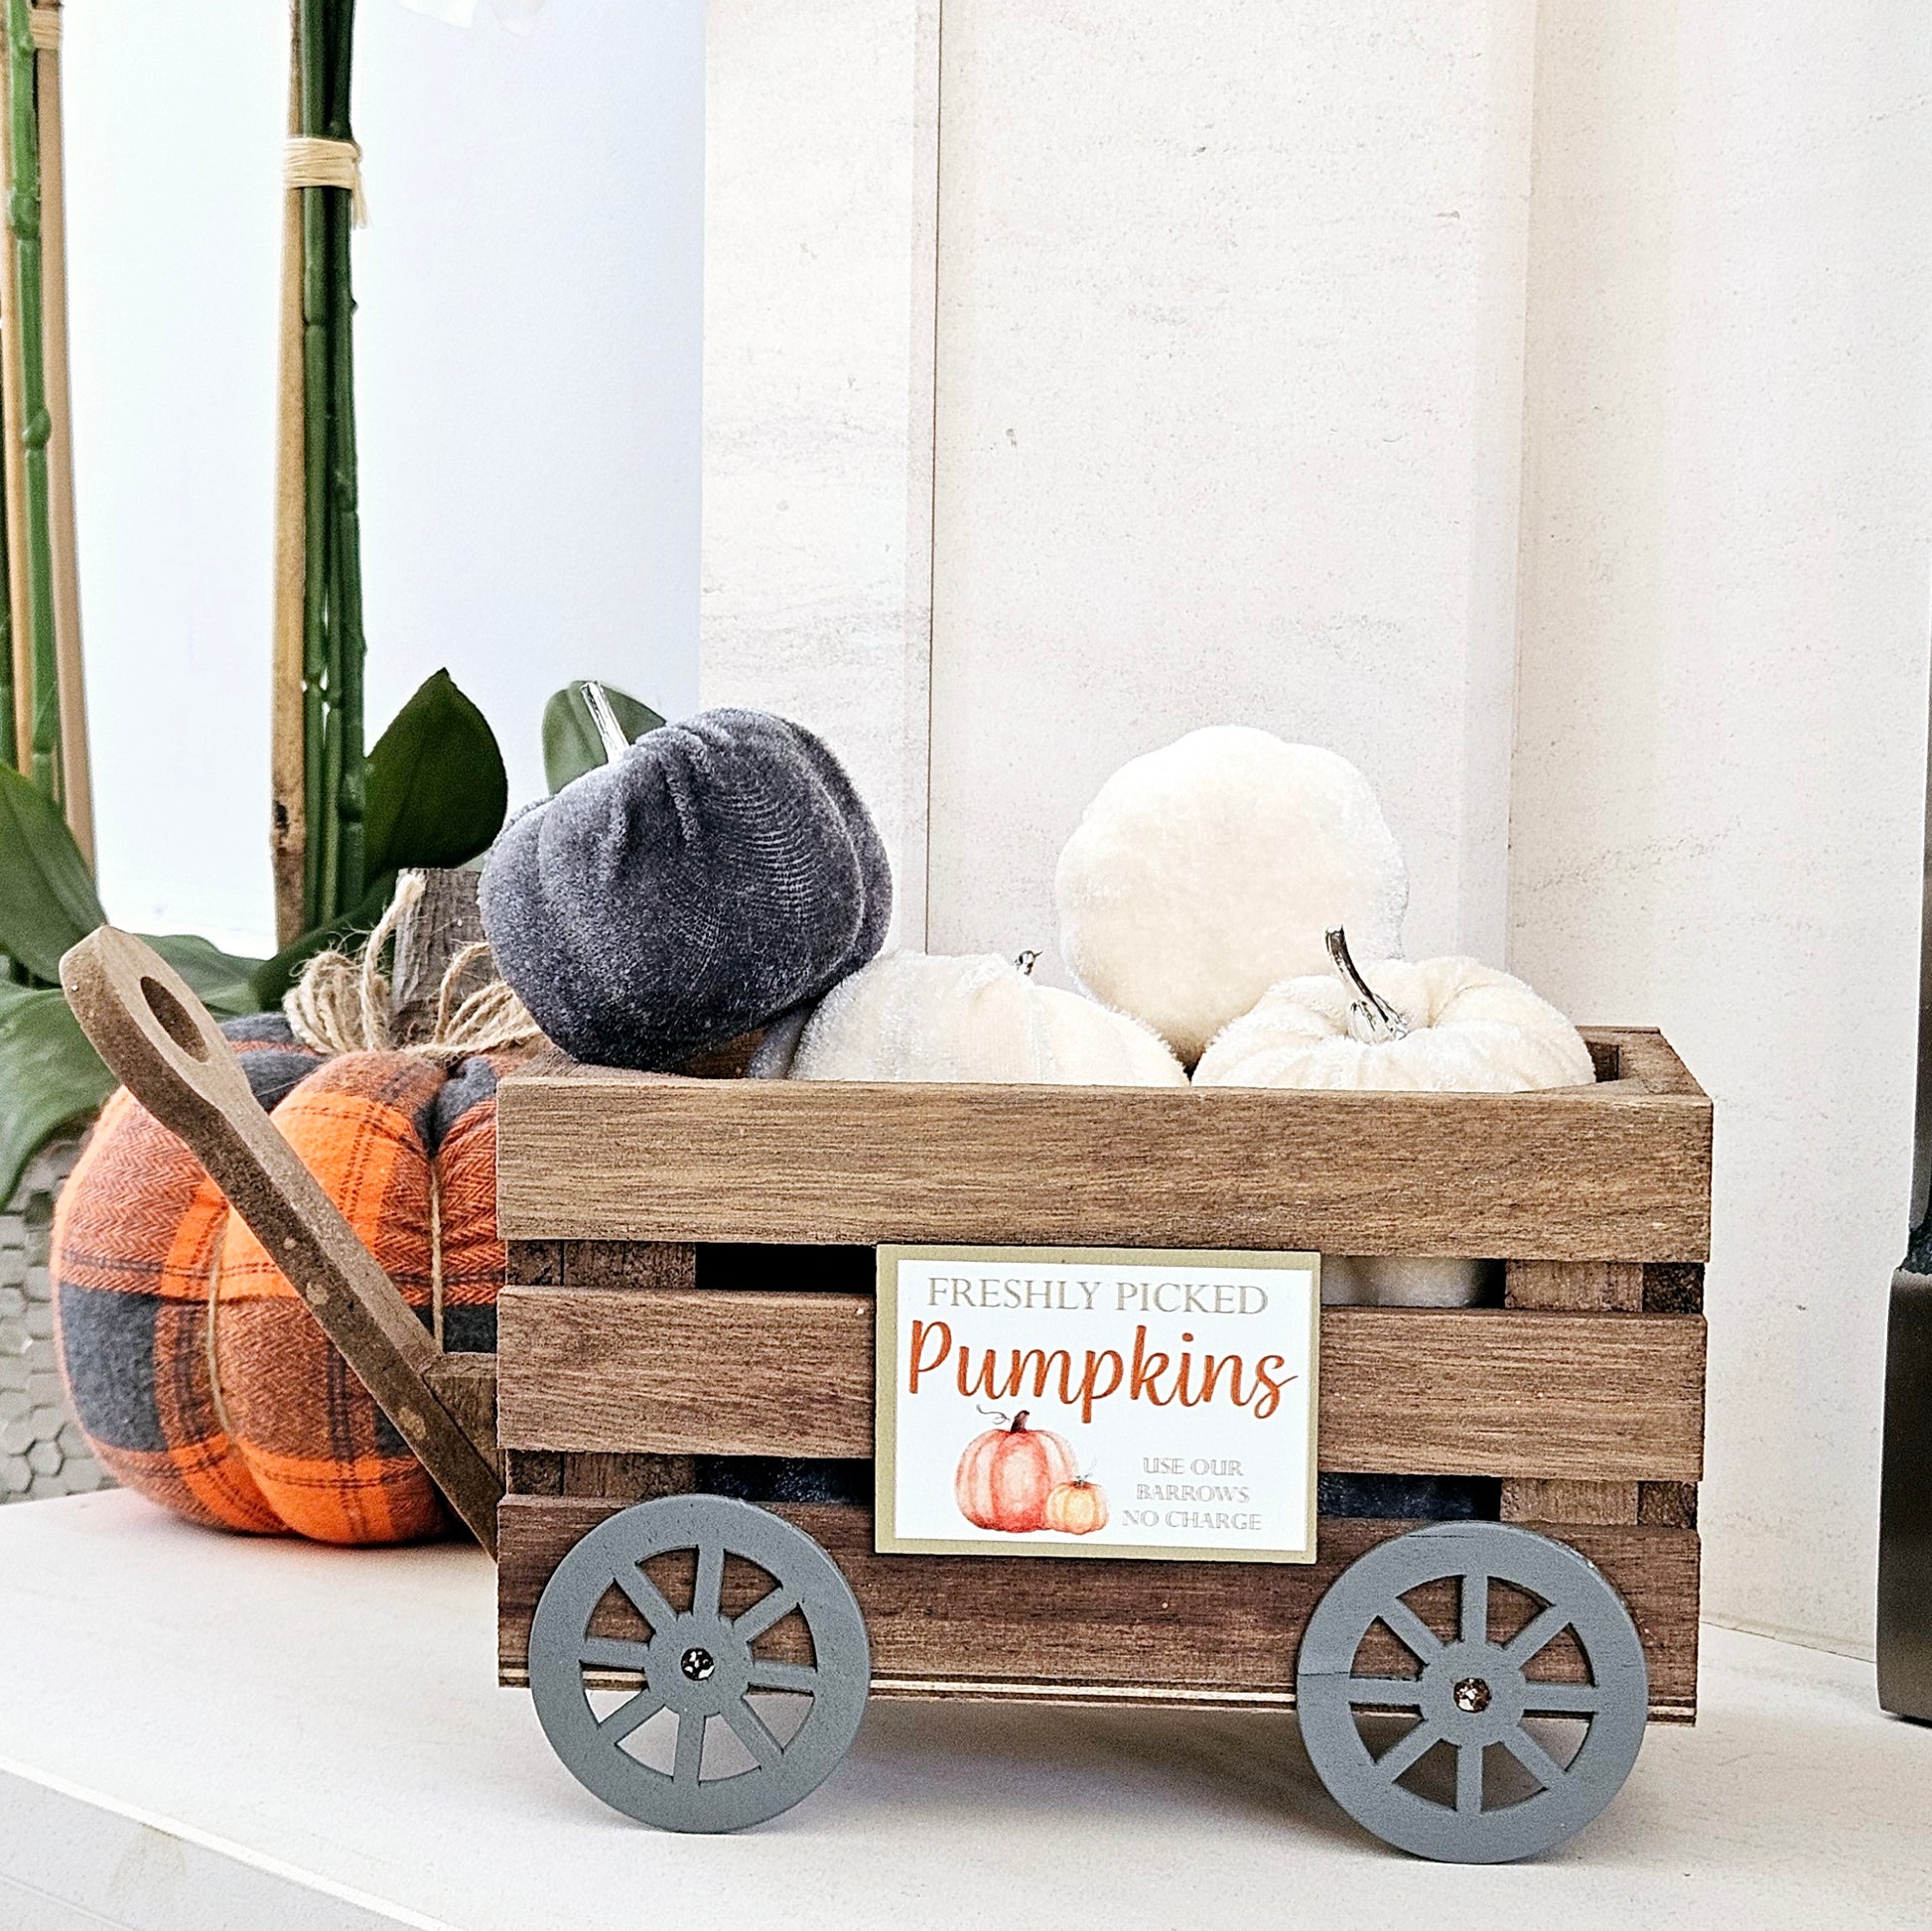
x: 719, y: 874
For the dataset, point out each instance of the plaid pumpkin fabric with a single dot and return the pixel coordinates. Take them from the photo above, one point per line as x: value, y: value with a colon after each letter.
x: 368, y: 1126
x: 142, y: 1234
x: 134, y: 1238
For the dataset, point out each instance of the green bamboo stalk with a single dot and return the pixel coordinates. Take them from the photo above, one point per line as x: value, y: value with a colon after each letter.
x: 312, y: 41
x: 9, y: 755
x: 352, y: 784
x: 24, y: 218
x: 335, y: 781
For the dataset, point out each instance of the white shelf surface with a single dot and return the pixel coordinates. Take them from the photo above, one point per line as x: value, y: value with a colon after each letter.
x: 206, y: 1734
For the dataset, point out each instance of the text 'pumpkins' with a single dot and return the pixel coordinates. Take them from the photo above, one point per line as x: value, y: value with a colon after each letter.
x: 253, y: 1421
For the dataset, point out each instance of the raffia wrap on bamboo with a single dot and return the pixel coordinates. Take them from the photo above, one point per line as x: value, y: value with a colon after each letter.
x: 311, y: 160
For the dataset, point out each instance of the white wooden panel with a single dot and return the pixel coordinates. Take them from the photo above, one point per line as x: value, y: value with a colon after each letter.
x: 821, y: 131
x: 1229, y: 419
x: 1720, y: 761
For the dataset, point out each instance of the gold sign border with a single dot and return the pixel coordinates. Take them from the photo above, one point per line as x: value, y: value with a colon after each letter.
x: 886, y: 1538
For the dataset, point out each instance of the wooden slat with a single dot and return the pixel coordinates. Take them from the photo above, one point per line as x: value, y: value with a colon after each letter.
x: 1619, y: 1170
x: 1404, y: 1391
x: 535, y: 1471
x: 1574, y: 1286
x: 465, y: 1384
x: 1645, y: 1057
x: 630, y: 1264
x: 1668, y: 1505
x: 1526, y: 1498
x: 1009, y: 1626
x: 628, y: 1477
x: 534, y: 1263
x: 1471, y: 1392
x: 699, y: 1373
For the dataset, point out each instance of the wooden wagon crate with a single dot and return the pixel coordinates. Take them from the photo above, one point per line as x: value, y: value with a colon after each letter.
x: 690, y: 1312
x: 691, y: 1275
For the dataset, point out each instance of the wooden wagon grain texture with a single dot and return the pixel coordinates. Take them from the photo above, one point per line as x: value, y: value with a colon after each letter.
x: 691, y: 1276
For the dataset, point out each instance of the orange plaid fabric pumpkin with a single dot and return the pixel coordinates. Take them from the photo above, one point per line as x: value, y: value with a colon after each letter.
x: 258, y: 1423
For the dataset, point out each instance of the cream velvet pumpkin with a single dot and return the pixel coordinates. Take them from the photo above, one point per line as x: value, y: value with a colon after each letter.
x: 914, y: 1016
x: 1406, y: 1280
x: 1471, y: 1029
x: 1204, y: 874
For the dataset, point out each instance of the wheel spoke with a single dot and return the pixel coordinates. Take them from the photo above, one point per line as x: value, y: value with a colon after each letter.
x: 1561, y: 1699
x: 762, y: 1613
x: 690, y: 1746
x: 1414, y: 1634
x: 753, y: 1732
x: 710, y: 1578
x: 629, y: 1715
x: 1407, y: 1751
x: 604, y: 1653
x: 1468, y: 1779
x: 1536, y: 1635
x: 798, y: 1677
x: 1475, y: 1608
x: 1386, y: 1691
x: 645, y: 1597
x: 1533, y: 1757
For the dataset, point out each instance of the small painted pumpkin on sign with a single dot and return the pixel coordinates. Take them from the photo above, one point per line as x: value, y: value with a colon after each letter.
x: 1077, y: 1508
x: 1007, y: 1474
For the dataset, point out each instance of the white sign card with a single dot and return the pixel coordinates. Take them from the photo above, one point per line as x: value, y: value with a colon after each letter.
x: 1124, y: 1402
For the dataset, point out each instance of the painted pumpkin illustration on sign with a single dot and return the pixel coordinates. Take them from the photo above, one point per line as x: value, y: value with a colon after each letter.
x: 1076, y: 1508
x: 1005, y: 1475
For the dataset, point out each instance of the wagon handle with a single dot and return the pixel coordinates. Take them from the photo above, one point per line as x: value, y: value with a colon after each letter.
x: 161, y: 1044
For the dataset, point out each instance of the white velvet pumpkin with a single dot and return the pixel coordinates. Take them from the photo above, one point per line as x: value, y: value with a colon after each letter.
x: 1204, y: 872
x: 914, y: 1016
x: 1472, y: 1030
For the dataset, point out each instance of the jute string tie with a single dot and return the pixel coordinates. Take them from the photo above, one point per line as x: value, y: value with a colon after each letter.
x: 342, y: 1004
x: 44, y: 29
x: 313, y: 161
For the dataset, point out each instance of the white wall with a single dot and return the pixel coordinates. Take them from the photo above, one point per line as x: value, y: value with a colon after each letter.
x: 1720, y: 740
x: 1265, y: 461
x: 1229, y: 414
x: 527, y: 347
x: 173, y: 317
x: 820, y: 194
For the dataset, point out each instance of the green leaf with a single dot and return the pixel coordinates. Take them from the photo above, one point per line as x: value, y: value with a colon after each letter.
x: 47, y: 898
x: 437, y: 788
x: 270, y: 981
x: 570, y: 745
x: 223, y: 982
x: 49, y: 1076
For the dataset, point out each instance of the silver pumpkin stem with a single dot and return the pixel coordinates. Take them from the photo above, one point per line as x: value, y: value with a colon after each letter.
x: 616, y: 744
x: 1027, y: 960
x: 1379, y: 1018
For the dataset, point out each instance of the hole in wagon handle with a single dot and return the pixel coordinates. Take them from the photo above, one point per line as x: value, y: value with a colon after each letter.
x: 174, y: 1018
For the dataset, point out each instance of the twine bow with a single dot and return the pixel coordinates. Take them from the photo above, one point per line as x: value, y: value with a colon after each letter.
x: 343, y: 1004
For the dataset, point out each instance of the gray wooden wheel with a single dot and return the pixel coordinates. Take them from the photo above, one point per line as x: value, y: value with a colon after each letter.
x: 1472, y: 1692
x: 699, y: 1664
